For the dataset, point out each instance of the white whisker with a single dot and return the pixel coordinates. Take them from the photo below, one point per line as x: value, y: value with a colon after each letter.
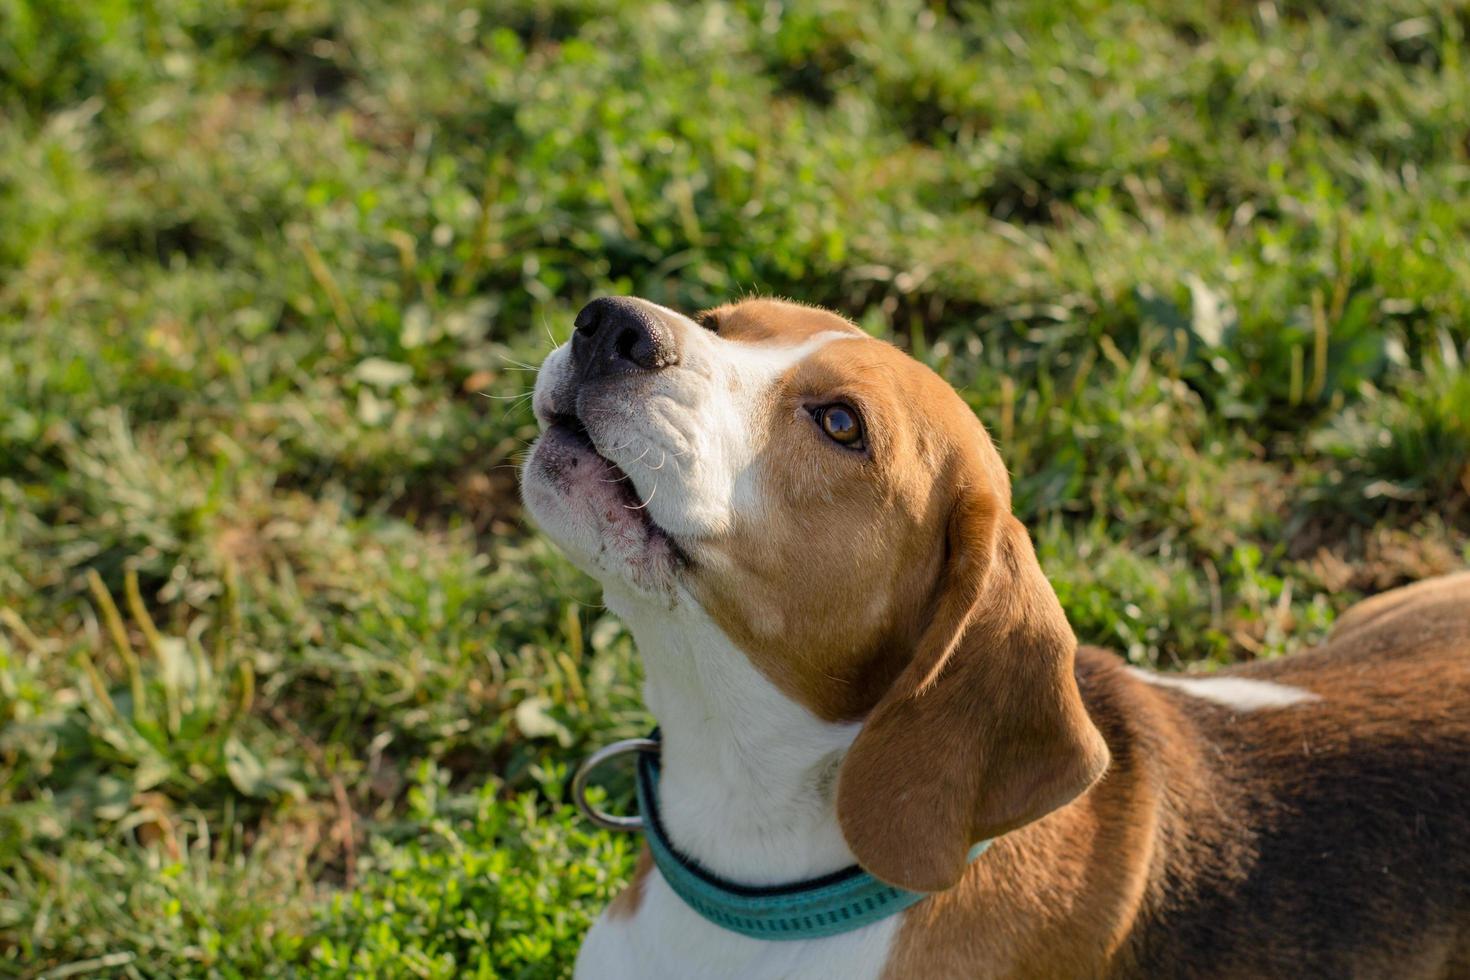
x: 522, y: 365
x: 646, y: 502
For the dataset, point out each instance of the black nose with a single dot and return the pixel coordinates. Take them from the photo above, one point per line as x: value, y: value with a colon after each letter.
x: 619, y: 335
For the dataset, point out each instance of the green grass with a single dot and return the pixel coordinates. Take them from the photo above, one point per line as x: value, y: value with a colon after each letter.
x: 287, y: 686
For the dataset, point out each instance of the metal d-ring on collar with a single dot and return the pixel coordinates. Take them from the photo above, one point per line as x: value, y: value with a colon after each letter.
x: 608, y: 821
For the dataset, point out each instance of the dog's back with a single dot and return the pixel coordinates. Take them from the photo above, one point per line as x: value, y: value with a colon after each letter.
x: 1332, y: 840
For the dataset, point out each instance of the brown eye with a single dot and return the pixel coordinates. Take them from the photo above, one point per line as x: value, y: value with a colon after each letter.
x: 841, y: 425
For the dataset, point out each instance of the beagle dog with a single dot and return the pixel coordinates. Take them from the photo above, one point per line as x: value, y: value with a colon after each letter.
x: 861, y: 675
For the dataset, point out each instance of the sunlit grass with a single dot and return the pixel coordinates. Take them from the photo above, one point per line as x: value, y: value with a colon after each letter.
x: 286, y: 684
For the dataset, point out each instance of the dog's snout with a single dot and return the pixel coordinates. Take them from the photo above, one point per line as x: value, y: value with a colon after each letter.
x: 617, y: 335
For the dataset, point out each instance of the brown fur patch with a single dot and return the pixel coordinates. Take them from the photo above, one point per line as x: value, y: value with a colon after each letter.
x: 828, y: 586
x: 765, y: 321
x: 1323, y: 839
x: 1056, y: 897
x: 626, y: 905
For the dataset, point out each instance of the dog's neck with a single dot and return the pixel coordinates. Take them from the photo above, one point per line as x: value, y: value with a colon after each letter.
x: 749, y: 776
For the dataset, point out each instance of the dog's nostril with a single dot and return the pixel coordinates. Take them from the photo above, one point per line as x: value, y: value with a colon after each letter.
x: 588, y: 320
x: 627, y: 347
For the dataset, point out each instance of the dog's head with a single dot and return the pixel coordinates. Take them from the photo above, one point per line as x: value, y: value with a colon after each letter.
x: 840, y: 514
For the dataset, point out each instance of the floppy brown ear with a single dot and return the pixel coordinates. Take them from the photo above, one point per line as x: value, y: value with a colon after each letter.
x: 984, y: 730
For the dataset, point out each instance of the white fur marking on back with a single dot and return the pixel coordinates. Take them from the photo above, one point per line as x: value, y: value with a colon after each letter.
x: 1240, y: 693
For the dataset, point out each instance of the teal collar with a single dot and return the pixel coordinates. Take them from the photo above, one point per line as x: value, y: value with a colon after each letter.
x: 825, y: 906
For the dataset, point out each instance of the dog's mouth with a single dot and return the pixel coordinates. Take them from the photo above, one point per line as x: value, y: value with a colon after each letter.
x: 570, y: 459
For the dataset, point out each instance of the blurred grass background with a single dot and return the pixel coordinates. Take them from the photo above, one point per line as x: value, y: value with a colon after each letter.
x: 287, y: 685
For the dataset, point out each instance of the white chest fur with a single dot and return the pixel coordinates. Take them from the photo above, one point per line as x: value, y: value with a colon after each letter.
x: 747, y: 790
x: 667, y: 939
